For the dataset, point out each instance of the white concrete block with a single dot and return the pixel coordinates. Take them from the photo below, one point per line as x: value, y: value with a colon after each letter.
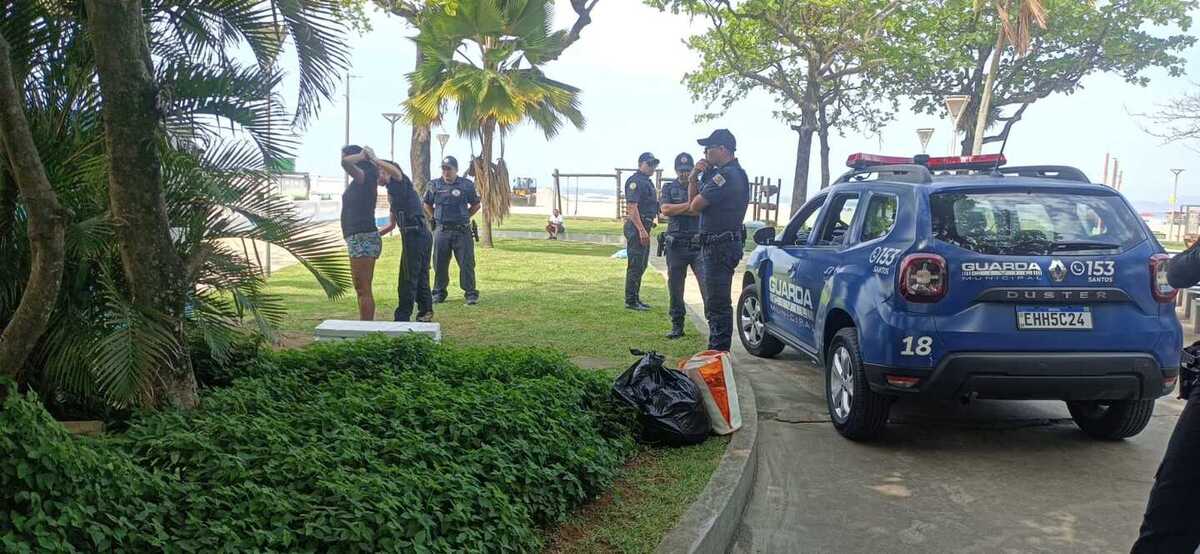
x: 338, y: 329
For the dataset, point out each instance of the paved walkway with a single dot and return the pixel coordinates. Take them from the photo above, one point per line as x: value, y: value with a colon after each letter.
x: 987, y: 477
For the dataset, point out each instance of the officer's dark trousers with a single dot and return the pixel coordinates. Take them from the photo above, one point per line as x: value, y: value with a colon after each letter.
x: 1172, y: 520
x: 679, y: 259
x: 718, y: 261
x: 638, y: 257
x: 447, y: 241
x: 414, y: 273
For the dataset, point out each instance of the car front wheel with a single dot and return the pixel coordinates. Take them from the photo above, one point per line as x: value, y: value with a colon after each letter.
x: 858, y: 413
x: 752, y: 327
x: 1111, y: 420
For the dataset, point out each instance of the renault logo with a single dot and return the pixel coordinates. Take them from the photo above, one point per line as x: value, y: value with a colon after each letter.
x: 1058, y: 271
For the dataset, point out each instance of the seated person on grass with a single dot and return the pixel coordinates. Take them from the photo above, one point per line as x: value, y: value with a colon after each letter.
x: 554, y: 225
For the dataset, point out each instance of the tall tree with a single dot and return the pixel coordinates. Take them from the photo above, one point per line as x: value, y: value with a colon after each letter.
x: 21, y: 164
x: 814, y: 58
x: 485, y: 59
x: 956, y: 43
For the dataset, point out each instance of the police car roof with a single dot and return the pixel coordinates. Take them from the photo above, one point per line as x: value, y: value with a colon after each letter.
x: 960, y: 171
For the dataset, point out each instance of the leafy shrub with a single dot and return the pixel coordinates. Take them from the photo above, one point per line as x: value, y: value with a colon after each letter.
x: 372, y: 445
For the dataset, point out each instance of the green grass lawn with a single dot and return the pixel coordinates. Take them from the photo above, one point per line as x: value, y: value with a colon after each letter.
x: 579, y: 225
x: 567, y: 296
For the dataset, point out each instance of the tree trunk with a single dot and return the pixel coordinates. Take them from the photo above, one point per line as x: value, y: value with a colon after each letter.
x: 46, y: 222
x: 419, y: 150
x: 985, y: 101
x: 151, y: 265
x: 803, y: 153
x: 484, y: 175
x: 823, y: 137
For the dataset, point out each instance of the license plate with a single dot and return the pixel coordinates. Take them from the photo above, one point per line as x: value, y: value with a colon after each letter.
x: 1054, y: 317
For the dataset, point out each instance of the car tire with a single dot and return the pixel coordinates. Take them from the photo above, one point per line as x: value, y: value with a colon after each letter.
x: 1115, y: 420
x: 857, y: 412
x: 752, y: 330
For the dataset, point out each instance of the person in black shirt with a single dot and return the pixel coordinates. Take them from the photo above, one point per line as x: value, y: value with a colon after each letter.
x: 451, y: 202
x: 1172, y: 519
x: 719, y: 192
x: 641, y: 207
x: 417, y: 242
x: 682, y: 245
x: 358, y: 223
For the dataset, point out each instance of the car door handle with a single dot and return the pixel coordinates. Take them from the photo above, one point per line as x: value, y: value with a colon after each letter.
x: 829, y: 271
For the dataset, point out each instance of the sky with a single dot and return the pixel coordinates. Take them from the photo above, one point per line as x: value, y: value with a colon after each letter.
x: 629, y: 64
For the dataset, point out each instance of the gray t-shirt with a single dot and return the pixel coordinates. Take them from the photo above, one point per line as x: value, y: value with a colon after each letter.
x: 358, y: 204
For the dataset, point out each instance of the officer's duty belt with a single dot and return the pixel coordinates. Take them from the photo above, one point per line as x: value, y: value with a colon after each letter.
x: 722, y: 237
x: 455, y: 226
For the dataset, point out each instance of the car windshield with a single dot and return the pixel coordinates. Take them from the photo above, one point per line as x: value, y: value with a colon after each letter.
x: 1034, y: 223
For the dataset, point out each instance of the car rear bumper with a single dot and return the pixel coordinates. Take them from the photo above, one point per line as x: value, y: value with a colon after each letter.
x: 1033, y: 376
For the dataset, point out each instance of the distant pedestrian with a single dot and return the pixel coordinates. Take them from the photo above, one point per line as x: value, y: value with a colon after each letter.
x: 358, y: 223
x: 719, y: 193
x: 641, y: 208
x: 451, y: 201
x: 554, y: 225
x: 417, y: 242
x: 681, y: 241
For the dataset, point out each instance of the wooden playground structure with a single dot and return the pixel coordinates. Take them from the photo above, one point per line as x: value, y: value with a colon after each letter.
x: 764, y: 192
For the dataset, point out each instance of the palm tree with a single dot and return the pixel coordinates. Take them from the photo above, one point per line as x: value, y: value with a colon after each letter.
x: 1016, y: 21
x: 485, y: 59
x: 215, y: 127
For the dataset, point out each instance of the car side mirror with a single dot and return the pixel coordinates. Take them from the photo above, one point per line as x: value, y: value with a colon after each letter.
x: 765, y: 237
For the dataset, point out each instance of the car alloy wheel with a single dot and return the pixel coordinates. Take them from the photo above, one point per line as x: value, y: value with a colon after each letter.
x: 841, y: 384
x: 751, y: 320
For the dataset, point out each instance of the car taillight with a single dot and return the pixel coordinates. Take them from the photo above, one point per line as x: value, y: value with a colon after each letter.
x: 923, y: 278
x: 1163, y: 291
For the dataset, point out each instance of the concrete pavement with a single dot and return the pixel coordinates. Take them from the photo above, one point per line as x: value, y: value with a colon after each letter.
x: 986, y: 477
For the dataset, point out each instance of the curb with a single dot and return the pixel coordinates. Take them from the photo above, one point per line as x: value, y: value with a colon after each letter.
x: 711, y: 523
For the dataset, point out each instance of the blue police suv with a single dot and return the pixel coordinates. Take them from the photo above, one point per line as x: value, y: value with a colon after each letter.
x: 960, y: 278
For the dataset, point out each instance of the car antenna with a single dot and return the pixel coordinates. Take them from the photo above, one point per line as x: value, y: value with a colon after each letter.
x: 1003, y: 145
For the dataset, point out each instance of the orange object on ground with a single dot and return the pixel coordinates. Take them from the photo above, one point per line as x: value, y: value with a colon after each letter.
x: 712, y: 372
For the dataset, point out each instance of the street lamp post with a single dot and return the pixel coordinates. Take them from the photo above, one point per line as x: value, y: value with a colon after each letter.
x: 955, y: 104
x: 1174, y: 203
x: 392, y: 118
x: 443, y: 138
x: 348, y: 78
x: 924, y: 135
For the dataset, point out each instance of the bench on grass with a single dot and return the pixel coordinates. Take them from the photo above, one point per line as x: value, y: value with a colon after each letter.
x: 340, y: 329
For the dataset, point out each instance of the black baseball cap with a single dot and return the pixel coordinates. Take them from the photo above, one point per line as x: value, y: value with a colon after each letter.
x: 684, y: 162
x: 720, y: 137
x: 647, y: 157
x: 450, y: 161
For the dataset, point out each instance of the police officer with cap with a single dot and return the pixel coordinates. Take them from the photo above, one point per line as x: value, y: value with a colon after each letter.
x: 680, y: 243
x: 719, y: 192
x: 416, y: 241
x: 641, y: 207
x: 451, y: 201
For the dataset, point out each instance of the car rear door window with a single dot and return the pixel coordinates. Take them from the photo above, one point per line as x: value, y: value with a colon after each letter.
x: 1034, y: 223
x: 880, y: 216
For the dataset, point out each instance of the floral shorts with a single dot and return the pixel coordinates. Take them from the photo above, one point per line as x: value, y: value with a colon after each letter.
x: 364, y: 245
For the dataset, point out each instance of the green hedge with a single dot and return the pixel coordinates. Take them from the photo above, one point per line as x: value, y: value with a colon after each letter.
x: 375, y: 445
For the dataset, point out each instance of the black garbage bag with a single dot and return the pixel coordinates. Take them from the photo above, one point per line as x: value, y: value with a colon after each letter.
x: 669, y: 405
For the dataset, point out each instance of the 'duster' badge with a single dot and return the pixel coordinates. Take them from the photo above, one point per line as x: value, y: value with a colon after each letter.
x: 719, y: 180
x: 456, y: 192
x: 633, y: 185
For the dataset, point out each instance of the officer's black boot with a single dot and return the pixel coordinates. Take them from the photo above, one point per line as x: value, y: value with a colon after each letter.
x: 676, y: 329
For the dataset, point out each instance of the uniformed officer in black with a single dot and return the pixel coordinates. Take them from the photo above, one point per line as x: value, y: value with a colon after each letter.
x: 641, y: 207
x: 450, y: 202
x: 719, y: 193
x: 681, y: 245
x: 1172, y: 519
x: 417, y: 242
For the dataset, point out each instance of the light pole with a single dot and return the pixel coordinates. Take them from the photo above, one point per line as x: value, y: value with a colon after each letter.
x: 955, y: 103
x: 348, y: 78
x: 924, y: 134
x: 1174, y: 203
x: 443, y: 138
x: 392, y: 118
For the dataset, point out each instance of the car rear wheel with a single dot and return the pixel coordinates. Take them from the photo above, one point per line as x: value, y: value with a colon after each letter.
x: 1112, y: 419
x: 752, y: 328
x: 858, y: 413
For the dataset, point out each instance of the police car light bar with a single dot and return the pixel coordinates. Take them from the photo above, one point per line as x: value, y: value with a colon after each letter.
x: 983, y: 161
